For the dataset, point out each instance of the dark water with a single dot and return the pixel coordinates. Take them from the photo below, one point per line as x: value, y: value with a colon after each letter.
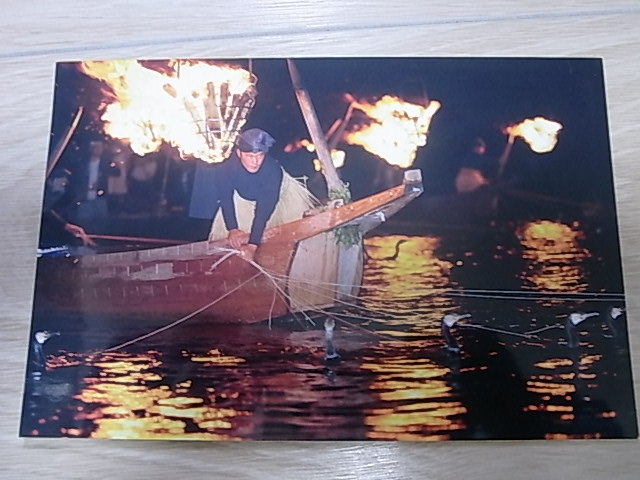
x: 396, y: 379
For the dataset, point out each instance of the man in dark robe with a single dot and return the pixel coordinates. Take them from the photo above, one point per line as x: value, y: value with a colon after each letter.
x: 250, y: 173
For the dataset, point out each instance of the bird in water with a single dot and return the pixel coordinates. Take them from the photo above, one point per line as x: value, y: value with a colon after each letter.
x: 611, y: 319
x: 44, y: 386
x: 330, y: 354
x: 392, y: 257
x: 571, y: 326
x: 396, y: 252
x: 37, y: 347
x: 448, y: 321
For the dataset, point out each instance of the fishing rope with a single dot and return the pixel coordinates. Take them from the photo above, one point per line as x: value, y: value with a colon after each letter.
x: 480, y: 293
x: 305, y: 308
x: 283, y: 294
x: 189, y: 315
x: 330, y: 286
x: 539, y: 293
x: 181, y: 320
x: 518, y: 297
x: 302, y: 309
x: 353, y: 305
x: 496, y: 330
x: 550, y: 327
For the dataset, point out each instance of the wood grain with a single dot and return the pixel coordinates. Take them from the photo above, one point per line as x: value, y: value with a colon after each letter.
x: 36, y: 34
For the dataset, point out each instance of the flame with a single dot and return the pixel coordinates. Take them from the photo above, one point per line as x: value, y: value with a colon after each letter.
x: 197, y: 107
x: 337, y: 156
x: 394, y: 128
x: 541, y: 134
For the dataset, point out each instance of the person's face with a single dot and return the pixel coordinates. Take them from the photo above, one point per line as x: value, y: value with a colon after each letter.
x: 251, y: 161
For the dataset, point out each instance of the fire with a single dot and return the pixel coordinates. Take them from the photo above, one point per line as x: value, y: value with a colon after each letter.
x: 394, y: 129
x: 541, y: 134
x: 197, y: 107
x: 337, y: 156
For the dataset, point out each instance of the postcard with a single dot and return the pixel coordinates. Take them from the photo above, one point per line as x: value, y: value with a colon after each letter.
x: 329, y: 249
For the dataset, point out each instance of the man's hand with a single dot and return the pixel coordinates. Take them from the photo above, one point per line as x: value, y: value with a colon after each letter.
x: 78, y: 232
x: 248, y: 251
x: 237, y: 238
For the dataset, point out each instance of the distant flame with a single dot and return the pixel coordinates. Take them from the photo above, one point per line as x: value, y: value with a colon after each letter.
x: 337, y: 156
x: 197, y: 107
x: 394, y: 129
x: 541, y: 134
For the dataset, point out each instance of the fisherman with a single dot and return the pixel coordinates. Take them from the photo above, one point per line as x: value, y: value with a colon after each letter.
x: 55, y: 230
x: 253, y: 192
x: 477, y: 169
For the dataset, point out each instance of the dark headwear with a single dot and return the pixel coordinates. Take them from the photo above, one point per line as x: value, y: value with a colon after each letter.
x: 255, y: 140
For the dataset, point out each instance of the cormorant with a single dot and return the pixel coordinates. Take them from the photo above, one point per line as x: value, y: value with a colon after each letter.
x: 330, y: 354
x: 39, y: 338
x: 571, y: 323
x: 448, y: 321
x: 611, y: 319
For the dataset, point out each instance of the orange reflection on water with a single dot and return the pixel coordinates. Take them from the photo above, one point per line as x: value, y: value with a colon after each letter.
x: 554, y: 256
x: 125, y: 406
x: 401, y: 272
x: 587, y: 360
x: 550, y: 388
x: 553, y: 363
x: 405, y: 267
x: 432, y: 412
x: 216, y: 357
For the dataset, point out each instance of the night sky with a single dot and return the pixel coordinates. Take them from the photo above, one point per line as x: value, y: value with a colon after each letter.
x: 479, y: 97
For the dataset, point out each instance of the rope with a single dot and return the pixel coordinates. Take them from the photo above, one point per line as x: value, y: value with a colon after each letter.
x: 543, y: 292
x: 518, y: 297
x: 283, y: 294
x: 497, y: 330
x: 180, y: 320
x: 188, y: 316
x: 331, y: 285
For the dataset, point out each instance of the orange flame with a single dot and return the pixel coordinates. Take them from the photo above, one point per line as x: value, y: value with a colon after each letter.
x: 197, y: 107
x: 337, y: 156
x: 541, y: 134
x: 395, y: 129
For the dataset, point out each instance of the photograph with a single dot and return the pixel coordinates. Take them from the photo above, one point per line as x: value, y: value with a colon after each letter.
x: 331, y: 248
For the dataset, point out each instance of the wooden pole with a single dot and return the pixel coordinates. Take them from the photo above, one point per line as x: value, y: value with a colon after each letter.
x: 313, y: 125
x: 120, y: 238
x: 59, y: 150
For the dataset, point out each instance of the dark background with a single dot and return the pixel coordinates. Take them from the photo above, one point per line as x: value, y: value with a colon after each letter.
x: 479, y: 97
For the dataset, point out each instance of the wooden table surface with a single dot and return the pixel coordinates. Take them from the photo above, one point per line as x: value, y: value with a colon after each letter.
x: 36, y: 34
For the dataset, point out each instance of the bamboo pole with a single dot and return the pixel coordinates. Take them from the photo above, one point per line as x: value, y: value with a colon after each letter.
x: 59, y: 150
x: 120, y: 238
x: 315, y: 130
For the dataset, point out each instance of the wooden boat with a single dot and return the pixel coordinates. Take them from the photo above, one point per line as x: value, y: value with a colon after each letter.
x: 298, y: 266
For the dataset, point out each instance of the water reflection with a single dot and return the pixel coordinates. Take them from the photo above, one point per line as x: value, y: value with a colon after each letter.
x: 554, y: 256
x: 418, y: 402
x: 396, y: 382
x: 127, y: 399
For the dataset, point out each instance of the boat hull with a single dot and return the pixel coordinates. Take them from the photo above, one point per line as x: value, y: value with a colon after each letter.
x: 298, y: 267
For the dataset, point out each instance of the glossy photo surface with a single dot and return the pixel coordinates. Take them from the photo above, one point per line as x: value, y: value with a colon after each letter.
x: 442, y: 261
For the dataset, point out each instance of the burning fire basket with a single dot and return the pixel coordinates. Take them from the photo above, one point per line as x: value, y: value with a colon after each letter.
x: 198, y: 107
